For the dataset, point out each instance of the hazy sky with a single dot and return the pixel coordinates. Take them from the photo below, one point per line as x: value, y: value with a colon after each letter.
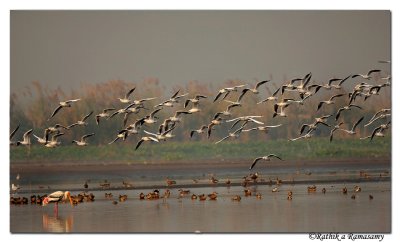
x: 67, y: 48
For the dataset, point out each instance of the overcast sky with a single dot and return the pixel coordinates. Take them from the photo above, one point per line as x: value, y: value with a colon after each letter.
x: 68, y: 48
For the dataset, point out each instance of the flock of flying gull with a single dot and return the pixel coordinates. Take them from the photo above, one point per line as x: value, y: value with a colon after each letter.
x: 298, y: 85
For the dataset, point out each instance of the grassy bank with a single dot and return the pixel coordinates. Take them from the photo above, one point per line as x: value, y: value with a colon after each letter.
x: 315, y: 148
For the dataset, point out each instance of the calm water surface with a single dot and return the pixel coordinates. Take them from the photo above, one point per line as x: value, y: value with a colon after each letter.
x: 306, y: 212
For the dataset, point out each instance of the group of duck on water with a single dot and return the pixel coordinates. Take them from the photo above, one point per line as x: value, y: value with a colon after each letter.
x: 301, y: 86
x: 156, y: 194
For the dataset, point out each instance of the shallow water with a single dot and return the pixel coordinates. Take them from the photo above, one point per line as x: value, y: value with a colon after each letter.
x: 306, y: 212
x: 58, y: 178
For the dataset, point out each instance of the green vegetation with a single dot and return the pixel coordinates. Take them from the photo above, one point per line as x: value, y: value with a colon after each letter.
x: 311, y: 149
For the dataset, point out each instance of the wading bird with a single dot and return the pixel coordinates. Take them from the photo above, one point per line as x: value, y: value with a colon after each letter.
x: 56, y: 197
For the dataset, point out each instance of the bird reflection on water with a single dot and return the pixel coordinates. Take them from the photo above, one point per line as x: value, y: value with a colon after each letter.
x: 57, y: 224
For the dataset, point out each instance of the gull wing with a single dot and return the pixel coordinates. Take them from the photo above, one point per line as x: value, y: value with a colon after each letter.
x: 55, y: 111
x: 14, y: 131
x: 355, y: 125
x: 86, y: 136
x: 260, y: 83
x: 87, y: 116
x: 273, y: 155
x: 255, y: 162
x: 129, y: 92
